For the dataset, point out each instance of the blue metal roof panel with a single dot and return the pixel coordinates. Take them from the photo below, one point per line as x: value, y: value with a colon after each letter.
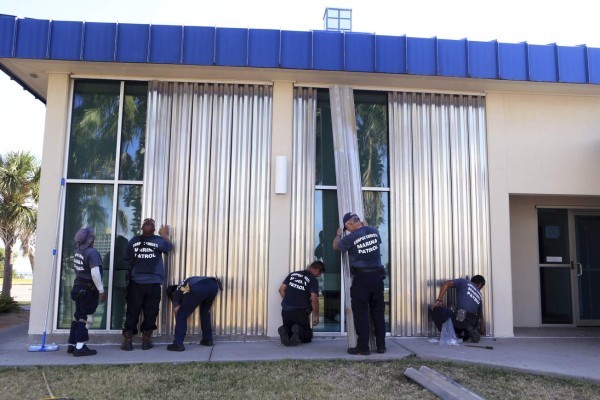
x: 133, y: 43
x: 359, y: 54
x: 8, y: 27
x: 572, y: 64
x: 421, y: 57
x: 32, y: 38
x: 66, y: 40
x: 483, y: 60
x: 198, y: 45
x: 390, y: 54
x: 512, y: 61
x: 542, y: 63
x: 99, y: 41
x: 263, y: 48
x: 328, y: 50
x: 593, y: 59
x: 452, y: 58
x: 321, y: 50
x: 296, y: 50
x: 165, y: 44
x: 231, y: 47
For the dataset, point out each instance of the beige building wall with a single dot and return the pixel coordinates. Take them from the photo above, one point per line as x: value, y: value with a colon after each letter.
x: 280, y: 221
x: 53, y: 155
x: 542, y: 144
x: 538, y: 145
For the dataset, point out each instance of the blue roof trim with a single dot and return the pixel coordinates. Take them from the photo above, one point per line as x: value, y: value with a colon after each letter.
x: 315, y: 50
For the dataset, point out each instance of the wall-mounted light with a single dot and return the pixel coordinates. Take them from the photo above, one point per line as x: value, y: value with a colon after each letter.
x: 281, y: 173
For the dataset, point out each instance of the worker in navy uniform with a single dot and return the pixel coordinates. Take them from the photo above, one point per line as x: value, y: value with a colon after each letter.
x: 300, y: 292
x: 363, y: 244
x: 145, y: 254
x: 467, y: 317
x: 195, y: 291
x: 87, y: 291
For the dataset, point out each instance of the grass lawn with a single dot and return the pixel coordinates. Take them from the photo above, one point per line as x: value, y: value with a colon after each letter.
x: 278, y: 380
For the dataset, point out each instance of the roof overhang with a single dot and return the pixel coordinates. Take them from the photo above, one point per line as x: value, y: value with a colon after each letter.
x: 30, y: 49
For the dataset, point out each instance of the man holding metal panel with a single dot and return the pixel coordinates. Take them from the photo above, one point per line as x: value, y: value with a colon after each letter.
x: 363, y: 246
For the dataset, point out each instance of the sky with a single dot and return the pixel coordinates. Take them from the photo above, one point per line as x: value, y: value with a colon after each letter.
x: 538, y: 22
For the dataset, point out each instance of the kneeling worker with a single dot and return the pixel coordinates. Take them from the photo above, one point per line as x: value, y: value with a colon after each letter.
x: 468, y: 315
x: 300, y: 292
x: 193, y: 292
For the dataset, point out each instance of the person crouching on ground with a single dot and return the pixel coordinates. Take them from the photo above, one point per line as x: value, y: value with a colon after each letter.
x: 145, y: 253
x: 195, y: 291
x: 300, y: 292
x: 87, y: 291
x: 468, y: 316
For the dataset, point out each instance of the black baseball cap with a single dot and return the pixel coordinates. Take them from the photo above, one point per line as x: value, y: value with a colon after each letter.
x: 348, y: 216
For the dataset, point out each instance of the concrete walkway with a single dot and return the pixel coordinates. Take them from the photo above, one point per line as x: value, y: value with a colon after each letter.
x: 576, y: 355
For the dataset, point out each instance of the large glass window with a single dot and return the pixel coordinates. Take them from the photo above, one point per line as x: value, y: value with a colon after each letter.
x: 372, y: 135
x: 94, y: 125
x: 104, y: 187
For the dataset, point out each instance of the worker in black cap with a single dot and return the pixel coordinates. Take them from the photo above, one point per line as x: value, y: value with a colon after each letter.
x: 192, y: 292
x: 87, y: 291
x: 300, y: 293
x: 145, y: 254
x: 363, y: 246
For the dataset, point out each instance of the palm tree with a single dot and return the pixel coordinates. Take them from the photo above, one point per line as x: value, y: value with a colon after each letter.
x: 19, y: 191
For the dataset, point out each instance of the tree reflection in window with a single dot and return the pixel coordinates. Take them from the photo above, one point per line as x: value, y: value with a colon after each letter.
x: 94, y: 125
x: 372, y: 136
x: 133, y: 131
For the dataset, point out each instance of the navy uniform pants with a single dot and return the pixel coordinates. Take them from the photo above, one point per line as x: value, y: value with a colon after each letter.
x: 439, y: 315
x: 202, y: 294
x: 86, y: 301
x: 298, y: 317
x: 142, y: 298
x: 366, y: 293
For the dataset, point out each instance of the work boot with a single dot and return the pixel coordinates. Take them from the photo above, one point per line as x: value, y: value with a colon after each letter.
x: 147, y: 340
x: 127, y: 344
x: 176, y: 347
x: 295, y: 338
x: 474, y: 334
x: 284, y: 335
x: 357, y: 351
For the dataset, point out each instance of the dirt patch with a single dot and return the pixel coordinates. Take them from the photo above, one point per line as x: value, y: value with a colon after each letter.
x: 8, y: 320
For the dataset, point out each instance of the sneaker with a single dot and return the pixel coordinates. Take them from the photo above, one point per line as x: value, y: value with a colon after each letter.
x: 295, y: 339
x: 176, y: 347
x: 84, y: 351
x: 356, y: 351
x: 381, y: 350
x: 206, y: 342
x: 284, y: 335
x: 70, y: 348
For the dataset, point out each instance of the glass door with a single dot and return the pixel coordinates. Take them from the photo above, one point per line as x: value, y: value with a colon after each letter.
x: 585, y: 268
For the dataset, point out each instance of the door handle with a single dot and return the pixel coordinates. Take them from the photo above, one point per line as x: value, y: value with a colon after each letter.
x: 579, y: 269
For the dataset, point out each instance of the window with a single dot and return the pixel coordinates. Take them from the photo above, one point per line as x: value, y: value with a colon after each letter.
x: 104, y: 187
x: 337, y: 19
x: 372, y: 134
